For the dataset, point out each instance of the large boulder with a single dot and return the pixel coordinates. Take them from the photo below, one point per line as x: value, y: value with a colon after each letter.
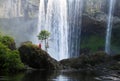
x: 84, y: 61
x: 37, y: 58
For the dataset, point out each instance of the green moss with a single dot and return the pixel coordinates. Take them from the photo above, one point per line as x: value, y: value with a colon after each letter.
x: 94, y: 43
x: 115, y: 40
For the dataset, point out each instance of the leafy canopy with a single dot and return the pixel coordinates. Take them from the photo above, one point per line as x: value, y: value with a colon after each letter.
x: 6, y: 40
x: 44, y: 34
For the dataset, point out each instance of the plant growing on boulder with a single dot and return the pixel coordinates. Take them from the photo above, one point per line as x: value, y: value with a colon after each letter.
x: 44, y: 35
x: 37, y: 58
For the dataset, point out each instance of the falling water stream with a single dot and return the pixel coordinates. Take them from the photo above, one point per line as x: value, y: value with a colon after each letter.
x: 53, y: 18
x: 109, y: 26
x: 75, y: 19
x: 56, y: 17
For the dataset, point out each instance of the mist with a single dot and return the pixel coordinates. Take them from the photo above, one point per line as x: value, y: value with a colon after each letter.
x: 18, y: 19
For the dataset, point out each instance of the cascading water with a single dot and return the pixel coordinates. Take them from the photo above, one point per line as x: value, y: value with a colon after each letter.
x: 75, y: 19
x: 62, y: 18
x: 53, y: 17
x: 109, y: 26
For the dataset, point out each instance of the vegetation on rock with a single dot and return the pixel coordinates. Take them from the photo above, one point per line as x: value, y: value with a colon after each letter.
x: 35, y: 57
x: 8, y: 41
x: 44, y: 35
x: 9, y: 60
x: 93, y: 43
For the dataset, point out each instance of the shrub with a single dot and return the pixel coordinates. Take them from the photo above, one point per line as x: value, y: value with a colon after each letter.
x: 8, y: 41
x: 9, y: 60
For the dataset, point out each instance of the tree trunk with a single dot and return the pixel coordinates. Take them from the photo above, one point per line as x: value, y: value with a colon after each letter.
x: 45, y: 45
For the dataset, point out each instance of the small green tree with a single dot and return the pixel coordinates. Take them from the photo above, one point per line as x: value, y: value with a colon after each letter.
x: 43, y: 36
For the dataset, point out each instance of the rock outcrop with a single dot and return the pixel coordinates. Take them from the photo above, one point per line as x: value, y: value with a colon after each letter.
x: 97, y: 24
x: 35, y: 57
x: 84, y: 61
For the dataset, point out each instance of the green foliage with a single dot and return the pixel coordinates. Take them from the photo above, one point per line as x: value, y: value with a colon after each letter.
x: 0, y: 34
x: 94, y: 43
x: 43, y: 35
x: 8, y: 41
x: 115, y: 40
x: 9, y: 60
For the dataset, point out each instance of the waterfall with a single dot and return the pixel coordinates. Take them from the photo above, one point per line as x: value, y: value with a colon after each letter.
x: 75, y: 19
x: 53, y: 18
x: 109, y: 26
x: 62, y: 18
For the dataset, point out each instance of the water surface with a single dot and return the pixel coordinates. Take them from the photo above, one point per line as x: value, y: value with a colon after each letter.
x: 49, y: 76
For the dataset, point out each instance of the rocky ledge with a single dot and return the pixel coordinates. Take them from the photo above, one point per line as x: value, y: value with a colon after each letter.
x: 33, y: 56
x: 106, y: 66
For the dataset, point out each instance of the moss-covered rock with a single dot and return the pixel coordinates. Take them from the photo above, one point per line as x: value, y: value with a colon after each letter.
x: 35, y: 57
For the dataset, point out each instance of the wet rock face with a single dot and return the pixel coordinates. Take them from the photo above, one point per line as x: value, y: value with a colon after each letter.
x: 117, y: 8
x: 19, y: 8
x: 93, y: 26
x: 105, y: 7
x: 96, y: 24
x: 35, y: 57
